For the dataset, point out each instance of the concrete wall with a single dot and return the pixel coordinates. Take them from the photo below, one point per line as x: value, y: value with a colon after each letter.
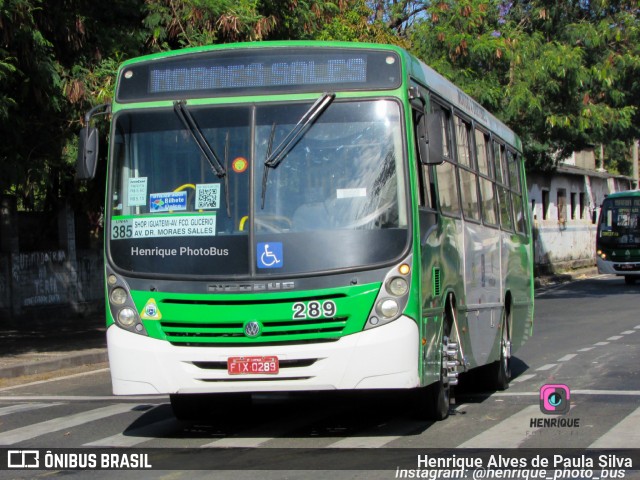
x: 51, y: 278
x: 41, y: 267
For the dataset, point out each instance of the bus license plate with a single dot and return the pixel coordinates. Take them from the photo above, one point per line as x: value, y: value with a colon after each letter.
x: 253, y: 365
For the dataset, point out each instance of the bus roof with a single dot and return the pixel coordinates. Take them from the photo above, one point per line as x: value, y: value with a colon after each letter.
x: 459, y: 99
x: 625, y: 193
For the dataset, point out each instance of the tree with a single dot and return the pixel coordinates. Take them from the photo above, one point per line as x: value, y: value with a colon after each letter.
x: 48, y: 48
x: 561, y: 74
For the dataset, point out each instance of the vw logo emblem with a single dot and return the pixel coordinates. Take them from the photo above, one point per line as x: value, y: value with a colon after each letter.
x: 252, y: 329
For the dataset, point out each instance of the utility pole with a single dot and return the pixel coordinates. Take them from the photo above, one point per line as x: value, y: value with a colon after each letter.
x: 634, y: 160
x: 601, y: 167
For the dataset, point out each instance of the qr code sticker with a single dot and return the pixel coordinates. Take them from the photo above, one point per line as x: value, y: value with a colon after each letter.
x: 207, y: 196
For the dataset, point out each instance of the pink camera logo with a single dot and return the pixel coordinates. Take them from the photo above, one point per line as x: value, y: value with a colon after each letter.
x: 554, y: 399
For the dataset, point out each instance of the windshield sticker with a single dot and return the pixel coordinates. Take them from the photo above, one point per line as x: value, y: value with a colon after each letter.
x: 270, y: 255
x: 174, y: 226
x: 207, y: 196
x: 351, y: 192
x: 168, y: 201
x: 151, y: 311
x: 239, y: 164
x: 137, y: 192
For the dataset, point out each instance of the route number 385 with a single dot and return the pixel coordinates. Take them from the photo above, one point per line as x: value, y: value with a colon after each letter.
x: 314, y: 309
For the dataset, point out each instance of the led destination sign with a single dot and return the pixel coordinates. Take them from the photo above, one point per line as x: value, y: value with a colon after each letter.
x: 251, y: 71
x: 297, y: 72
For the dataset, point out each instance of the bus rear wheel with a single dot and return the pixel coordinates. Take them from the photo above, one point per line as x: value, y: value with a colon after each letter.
x: 501, y: 369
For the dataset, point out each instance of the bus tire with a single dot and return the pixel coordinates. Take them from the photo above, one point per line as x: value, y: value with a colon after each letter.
x: 629, y: 279
x: 501, y: 369
x: 433, y: 401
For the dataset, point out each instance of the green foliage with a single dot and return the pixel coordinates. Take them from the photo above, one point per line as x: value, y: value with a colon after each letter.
x: 562, y: 74
x: 356, y: 25
x: 618, y: 155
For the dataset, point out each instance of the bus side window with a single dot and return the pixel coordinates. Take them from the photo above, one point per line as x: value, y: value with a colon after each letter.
x: 447, y: 183
x: 504, y: 195
x: 516, y: 192
x: 468, y: 182
x: 425, y: 181
x: 488, y: 201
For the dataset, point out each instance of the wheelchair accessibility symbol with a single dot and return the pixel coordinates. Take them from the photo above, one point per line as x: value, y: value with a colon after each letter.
x: 269, y: 255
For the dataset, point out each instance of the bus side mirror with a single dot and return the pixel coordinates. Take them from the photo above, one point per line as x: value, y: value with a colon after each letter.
x: 594, y: 216
x: 87, y: 153
x: 430, y: 138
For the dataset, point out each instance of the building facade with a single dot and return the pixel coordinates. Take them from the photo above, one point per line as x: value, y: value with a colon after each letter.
x: 563, y: 204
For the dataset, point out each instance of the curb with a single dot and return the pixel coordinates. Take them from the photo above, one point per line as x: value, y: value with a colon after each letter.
x: 559, y: 278
x: 67, y: 361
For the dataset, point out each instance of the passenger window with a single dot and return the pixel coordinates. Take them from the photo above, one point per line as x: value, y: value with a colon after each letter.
x: 448, y: 188
x: 498, y: 150
x: 481, y: 153
x: 488, y: 202
x: 514, y: 175
x: 468, y: 182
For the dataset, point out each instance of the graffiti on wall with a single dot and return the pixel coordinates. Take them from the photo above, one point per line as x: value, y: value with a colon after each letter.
x: 50, y: 278
x: 41, y: 277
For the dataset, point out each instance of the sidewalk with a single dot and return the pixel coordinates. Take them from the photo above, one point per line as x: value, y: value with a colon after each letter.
x: 49, y: 341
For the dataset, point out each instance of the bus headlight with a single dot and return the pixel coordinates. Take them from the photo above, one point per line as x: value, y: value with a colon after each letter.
x: 122, y: 308
x: 127, y: 317
x: 392, y: 297
x: 388, y: 308
x: 118, y: 296
x: 398, y: 286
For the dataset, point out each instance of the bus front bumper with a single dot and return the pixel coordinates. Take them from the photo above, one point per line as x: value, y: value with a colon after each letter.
x: 608, y: 267
x: 380, y: 358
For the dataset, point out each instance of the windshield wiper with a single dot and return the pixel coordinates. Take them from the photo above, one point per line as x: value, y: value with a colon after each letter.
x: 293, y: 137
x: 180, y: 107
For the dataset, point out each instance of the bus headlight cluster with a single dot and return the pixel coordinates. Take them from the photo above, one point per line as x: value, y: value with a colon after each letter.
x: 127, y: 317
x: 388, y: 308
x: 121, y: 305
x: 118, y: 296
x: 398, y: 286
x: 393, y: 296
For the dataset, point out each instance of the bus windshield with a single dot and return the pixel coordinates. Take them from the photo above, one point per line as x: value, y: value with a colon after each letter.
x: 337, y: 201
x: 619, y: 227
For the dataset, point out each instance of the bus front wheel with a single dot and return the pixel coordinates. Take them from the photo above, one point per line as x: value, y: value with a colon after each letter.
x: 629, y: 279
x: 433, y: 401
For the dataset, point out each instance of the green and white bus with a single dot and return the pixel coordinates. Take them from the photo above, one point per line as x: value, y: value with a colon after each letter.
x: 618, y: 236
x: 305, y: 216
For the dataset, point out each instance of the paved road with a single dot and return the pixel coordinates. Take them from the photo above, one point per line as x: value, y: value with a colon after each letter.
x: 586, y: 336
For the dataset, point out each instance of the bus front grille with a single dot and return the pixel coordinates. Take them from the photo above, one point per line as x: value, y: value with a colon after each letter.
x: 205, y: 333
